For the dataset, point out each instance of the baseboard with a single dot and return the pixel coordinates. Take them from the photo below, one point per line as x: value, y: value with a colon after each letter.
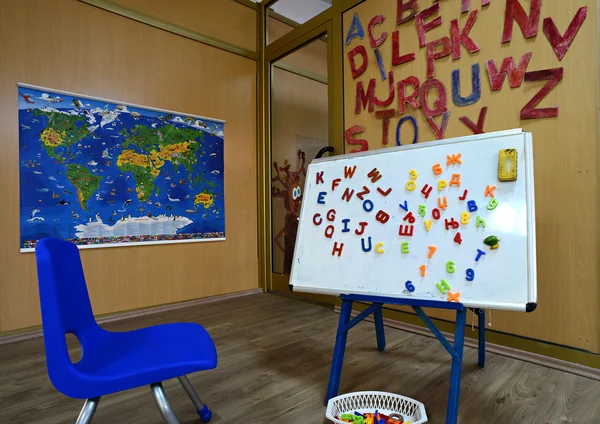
x: 122, y: 316
x: 534, y: 358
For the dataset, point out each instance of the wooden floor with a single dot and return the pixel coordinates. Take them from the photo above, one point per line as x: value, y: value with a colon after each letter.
x: 274, y: 358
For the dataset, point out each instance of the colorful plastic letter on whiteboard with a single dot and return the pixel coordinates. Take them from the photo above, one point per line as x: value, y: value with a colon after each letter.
x: 453, y: 297
x: 409, y: 286
x: 464, y: 196
x: 368, y: 205
x: 480, y: 253
x: 365, y: 248
x: 337, y: 249
x: 422, y: 210
x: 472, y: 206
x: 404, y: 248
x: 362, y: 193
x: 553, y: 76
x: 321, y: 198
x: 489, y: 191
x: 356, y: 30
x: 379, y: 248
x: 470, y: 274
x: 560, y: 43
x: 432, y: 250
x: 345, y: 222
x: 442, y: 184
x: 427, y: 224
x: 492, y: 205
x: 317, y: 220
x: 437, y: 169
x: 480, y: 222
x: 454, y: 159
x: 404, y: 205
x: 457, y: 238
x: 423, y: 269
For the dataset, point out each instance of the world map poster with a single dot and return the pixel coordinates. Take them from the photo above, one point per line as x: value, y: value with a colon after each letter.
x: 102, y: 173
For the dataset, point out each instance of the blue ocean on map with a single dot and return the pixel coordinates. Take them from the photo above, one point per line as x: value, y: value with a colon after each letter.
x: 98, y: 172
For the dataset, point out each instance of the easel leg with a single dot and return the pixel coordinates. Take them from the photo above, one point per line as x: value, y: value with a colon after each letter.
x: 481, y: 322
x: 338, y: 352
x: 379, y: 330
x: 459, y: 340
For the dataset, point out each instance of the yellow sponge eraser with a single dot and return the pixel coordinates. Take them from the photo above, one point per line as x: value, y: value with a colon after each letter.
x: 507, y: 165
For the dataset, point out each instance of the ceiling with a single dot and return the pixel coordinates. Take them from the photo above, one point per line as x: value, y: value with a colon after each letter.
x: 299, y: 11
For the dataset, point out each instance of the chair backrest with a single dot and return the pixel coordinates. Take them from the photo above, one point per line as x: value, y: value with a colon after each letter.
x: 64, y: 300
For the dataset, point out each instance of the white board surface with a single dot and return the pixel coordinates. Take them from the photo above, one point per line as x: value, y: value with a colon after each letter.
x: 504, y: 277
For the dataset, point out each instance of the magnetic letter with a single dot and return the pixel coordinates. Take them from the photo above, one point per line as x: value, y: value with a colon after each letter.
x: 476, y: 128
x: 423, y: 27
x: 437, y: 169
x: 362, y: 225
x: 412, y: 99
x: 553, y: 76
x: 457, y: 238
x: 356, y: 30
x: 409, y: 217
x: 349, y: 136
x: 378, y: 248
x: 347, y: 194
x: 462, y: 37
x: 374, y: 175
x: 489, y: 191
x: 435, y: 213
x: 508, y: 67
x: 475, y: 87
x: 479, y: 254
x: 329, y: 231
x: 321, y: 198
x: 382, y: 217
x: 464, y: 196
x: 390, y: 98
x: 529, y: 24
x: 320, y: 177
x: 404, y: 205
x: 442, y: 184
x: 396, y: 58
x: 441, y: 103
x: 472, y: 206
x: 361, y: 194
x: 349, y: 172
x: 376, y: 42
x: 337, y: 249
x: 317, y: 220
x: 413, y: 121
x: 433, y: 55
x: 427, y: 224
x: 385, y: 116
x: 455, y: 180
x: 492, y: 205
x: 426, y: 190
x: 480, y: 222
x: 368, y: 205
x: 403, y: 7
x: 331, y: 215
x: 384, y: 193
x: 452, y: 224
x: 346, y: 229
x: 422, y: 210
x: 366, y: 249
x: 454, y: 159
x: 404, y: 248
x: 432, y: 250
x: 358, y: 50
x: 335, y: 183
x: 443, y: 205
x: 560, y: 43
x: 406, y: 230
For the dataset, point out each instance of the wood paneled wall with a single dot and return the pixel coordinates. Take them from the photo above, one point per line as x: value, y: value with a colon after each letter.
x: 565, y: 148
x: 226, y: 20
x: 69, y: 45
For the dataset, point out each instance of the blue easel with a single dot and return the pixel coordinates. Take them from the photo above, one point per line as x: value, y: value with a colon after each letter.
x: 456, y: 351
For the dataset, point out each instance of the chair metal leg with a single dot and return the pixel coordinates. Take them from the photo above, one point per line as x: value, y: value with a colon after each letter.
x: 163, y: 405
x: 88, y: 410
x: 201, y: 408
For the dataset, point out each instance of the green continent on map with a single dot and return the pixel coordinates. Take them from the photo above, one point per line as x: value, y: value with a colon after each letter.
x: 61, y: 130
x: 154, y: 147
x: 167, y: 141
x: 85, y: 182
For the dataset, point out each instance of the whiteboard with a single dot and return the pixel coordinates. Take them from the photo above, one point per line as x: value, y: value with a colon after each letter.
x: 504, y: 276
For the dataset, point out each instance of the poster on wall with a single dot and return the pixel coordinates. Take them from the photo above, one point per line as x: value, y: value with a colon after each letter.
x: 102, y: 173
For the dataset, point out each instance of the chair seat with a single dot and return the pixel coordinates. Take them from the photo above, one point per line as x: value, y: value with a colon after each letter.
x: 122, y: 361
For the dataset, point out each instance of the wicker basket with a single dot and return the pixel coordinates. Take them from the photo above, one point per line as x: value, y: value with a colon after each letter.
x: 386, y: 403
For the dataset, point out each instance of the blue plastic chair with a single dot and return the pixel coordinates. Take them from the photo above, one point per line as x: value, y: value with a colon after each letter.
x: 111, y: 362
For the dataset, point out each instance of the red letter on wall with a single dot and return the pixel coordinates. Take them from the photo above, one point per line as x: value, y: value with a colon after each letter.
x: 385, y: 116
x: 356, y: 72
x: 529, y: 24
x: 412, y: 99
x: 462, y: 37
x: 362, y: 98
x: 349, y: 137
x: 441, y: 103
x: 376, y: 42
x: 432, y: 55
x: 560, y: 43
x: 396, y: 58
x: 422, y: 27
x: 515, y: 75
x: 403, y: 8
x: 553, y: 76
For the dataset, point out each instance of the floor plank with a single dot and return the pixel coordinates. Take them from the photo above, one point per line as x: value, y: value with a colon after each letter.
x: 274, y: 359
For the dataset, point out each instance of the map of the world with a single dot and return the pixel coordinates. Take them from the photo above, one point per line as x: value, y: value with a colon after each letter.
x: 99, y: 172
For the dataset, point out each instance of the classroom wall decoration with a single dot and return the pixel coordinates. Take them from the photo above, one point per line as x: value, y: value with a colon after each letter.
x: 104, y: 173
x: 384, y: 106
x: 287, y: 186
x: 451, y: 221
